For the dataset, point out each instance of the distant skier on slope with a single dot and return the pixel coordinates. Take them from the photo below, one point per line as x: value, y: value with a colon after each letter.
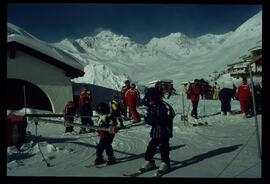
x: 160, y: 117
x: 194, y: 92
x: 225, y: 96
x: 244, y: 95
x: 132, y: 98
x: 123, y: 92
x: 106, y: 138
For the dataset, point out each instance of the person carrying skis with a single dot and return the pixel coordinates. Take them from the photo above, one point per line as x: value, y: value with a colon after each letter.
x: 69, y: 113
x: 123, y: 93
x: 244, y: 95
x: 225, y: 96
x: 194, y: 92
x: 86, y: 112
x: 132, y: 98
x: 160, y: 117
x: 106, y: 138
x: 116, y: 109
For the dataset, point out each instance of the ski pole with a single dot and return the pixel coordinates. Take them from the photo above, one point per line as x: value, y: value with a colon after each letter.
x: 255, y: 114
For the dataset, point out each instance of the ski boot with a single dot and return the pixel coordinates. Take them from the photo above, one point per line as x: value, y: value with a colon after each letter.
x: 111, y: 160
x: 163, y: 167
x: 99, y: 161
x: 148, y: 165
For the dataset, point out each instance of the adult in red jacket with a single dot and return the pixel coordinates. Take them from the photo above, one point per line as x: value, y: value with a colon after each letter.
x: 194, y: 93
x: 132, y: 98
x: 123, y: 94
x: 244, y: 95
x: 84, y: 93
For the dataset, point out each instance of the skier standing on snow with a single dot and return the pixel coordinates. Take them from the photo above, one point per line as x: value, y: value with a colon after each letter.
x: 194, y: 92
x: 244, y: 95
x: 123, y: 93
x: 116, y: 109
x: 225, y: 96
x: 132, y: 98
x: 86, y: 110
x: 160, y: 117
x: 106, y: 138
x: 69, y: 113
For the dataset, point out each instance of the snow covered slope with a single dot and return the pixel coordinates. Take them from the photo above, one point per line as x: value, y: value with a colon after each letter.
x: 227, y: 148
x: 175, y: 56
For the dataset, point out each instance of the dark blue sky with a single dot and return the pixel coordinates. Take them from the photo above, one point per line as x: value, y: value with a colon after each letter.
x: 141, y: 22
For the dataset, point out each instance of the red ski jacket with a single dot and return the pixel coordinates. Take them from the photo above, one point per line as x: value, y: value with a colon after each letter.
x: 82, y: 95
x: 132, y: 97
x: 243, y: 93
x: 194, y: 92
x: 123, y: 92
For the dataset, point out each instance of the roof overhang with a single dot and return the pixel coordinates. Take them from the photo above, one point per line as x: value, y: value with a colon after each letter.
x: 70, y: 71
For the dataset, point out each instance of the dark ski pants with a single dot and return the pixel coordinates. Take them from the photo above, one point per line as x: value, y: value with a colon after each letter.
x: 69, y: 129
x: 86, y: 121
x: 226, y: 106
x: 104, y: 144
x: 194, y: 108
x: 163, y: 147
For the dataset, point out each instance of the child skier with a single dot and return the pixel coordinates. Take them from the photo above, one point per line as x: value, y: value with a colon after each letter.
x: 160, y: 117
x: 106, y: 138
x: 116, y: 109
x: 69, y: 113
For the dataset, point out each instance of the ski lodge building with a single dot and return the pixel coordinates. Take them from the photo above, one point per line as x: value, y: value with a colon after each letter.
x: 241, y: 69
x: 38, y: 74
x: 164, y: 85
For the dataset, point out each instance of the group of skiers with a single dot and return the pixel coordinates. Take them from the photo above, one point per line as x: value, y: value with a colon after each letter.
x: 85, y: 111
x: 131, y: 99
x: 225, y: 94
x: 159, y: 116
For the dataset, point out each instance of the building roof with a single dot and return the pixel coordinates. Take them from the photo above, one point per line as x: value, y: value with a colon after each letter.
x: 47, y: 53
x: 155, y: 81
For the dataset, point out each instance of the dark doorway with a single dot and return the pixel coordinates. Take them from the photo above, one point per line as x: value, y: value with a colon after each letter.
x: 35, y: 97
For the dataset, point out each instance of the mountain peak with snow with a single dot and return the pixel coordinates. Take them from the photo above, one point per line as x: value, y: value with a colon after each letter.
x: 175, y: 56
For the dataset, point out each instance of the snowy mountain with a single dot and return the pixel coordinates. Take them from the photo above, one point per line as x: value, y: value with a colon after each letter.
x: 175, y: 56
x: 109, y: 58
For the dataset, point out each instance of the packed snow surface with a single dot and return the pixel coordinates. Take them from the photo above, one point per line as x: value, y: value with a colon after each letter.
x: 226, y: 148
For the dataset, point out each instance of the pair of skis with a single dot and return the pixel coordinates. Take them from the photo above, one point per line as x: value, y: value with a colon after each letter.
x: 141, y: 171
x: 101, y: 165
x: 196, y: 122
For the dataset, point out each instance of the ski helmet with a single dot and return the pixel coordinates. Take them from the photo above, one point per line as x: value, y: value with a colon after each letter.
x: 103, y: 108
